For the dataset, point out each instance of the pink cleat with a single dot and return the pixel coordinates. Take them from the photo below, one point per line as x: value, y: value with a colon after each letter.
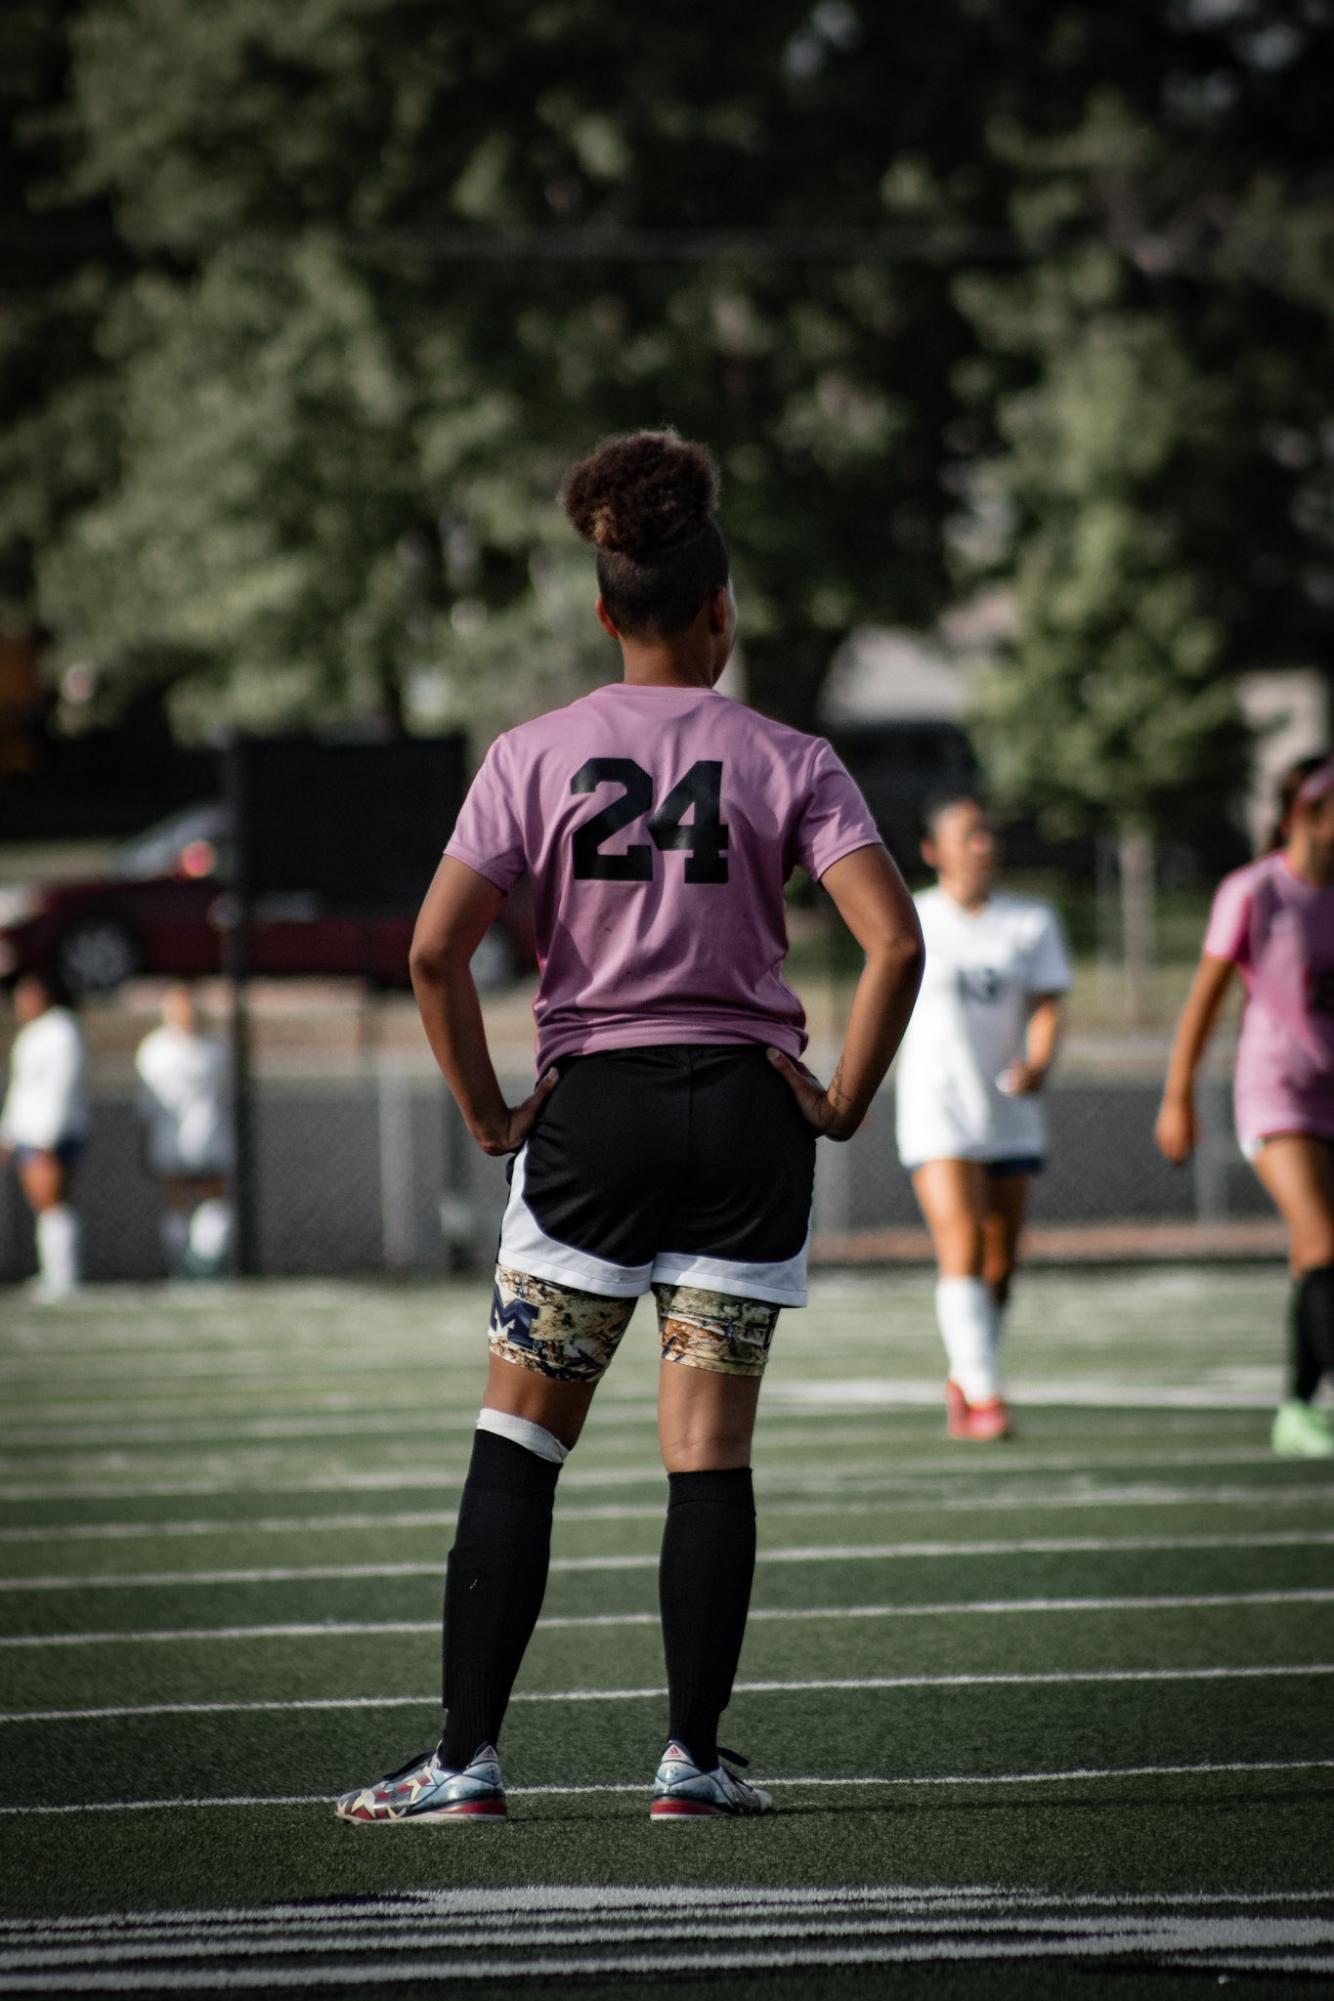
x: 981, y: 1422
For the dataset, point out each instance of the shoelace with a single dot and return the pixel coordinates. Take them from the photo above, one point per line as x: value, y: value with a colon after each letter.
x: 422, y: 1758
x: 734, y: 1757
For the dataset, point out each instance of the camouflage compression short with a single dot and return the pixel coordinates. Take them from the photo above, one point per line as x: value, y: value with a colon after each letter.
x: 571, y: 1336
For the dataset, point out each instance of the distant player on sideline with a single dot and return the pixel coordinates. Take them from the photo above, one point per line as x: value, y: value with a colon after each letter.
x: 970, y: 1130
x: 44, y: 1125
x: 669, y: 1145
x: 1274, y: 921
x: 184, y: 1105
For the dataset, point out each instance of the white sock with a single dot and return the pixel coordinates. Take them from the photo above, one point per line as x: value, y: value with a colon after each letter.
x: 966, y: 1316
x: 211, y: 1236
x: 174, y: 1236
x: 522, y: 1431
x: 58, y: 1248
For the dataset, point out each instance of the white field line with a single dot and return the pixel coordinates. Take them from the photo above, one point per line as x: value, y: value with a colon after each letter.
x: 47, y: 1417
x: 867, y: 1473
x: 574, y: 1903
x: 377, y: 1414
x: 615, y: 1511
x: 330, y: 1573
x: 916, y: 1499
x: 414, y: 1419
x: 345, y: 1629
x: 1161, y: 1947
x: 220, y: 1443
x: 867, y: 1683
x: 863, y: 1476
x: 1072, y: 1775
x: 957, y: 1934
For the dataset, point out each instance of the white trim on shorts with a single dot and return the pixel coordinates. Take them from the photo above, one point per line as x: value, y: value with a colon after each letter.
x: 526, y: 1247
x: 1252, y: 1145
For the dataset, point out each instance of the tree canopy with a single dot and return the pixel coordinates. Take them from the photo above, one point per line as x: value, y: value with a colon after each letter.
x: 317, y: 302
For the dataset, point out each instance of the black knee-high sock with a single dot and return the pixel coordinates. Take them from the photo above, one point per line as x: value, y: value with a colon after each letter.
x: 704, y: 1579
x: 1312, y: 1331
x: 494, y: 1584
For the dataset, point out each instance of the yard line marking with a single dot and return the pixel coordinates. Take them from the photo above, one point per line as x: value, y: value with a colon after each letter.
x: 391, y: 1421
x: 890, y: 1396
x: 1072, y: 1775
x: 618, y: 1511
x: 991, y: 1934
x: 325, y: 1573
x: 336, y: 1629
x: 949, y: 1464
x: 867, y: 1472
x: 577, y: 1900
x: 1052, y: 1678
x: 936, y: 1492
x: 958, y: 1922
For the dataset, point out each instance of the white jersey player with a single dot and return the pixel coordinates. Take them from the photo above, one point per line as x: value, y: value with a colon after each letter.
x: 44, y: 1125
x: 970, y: 1127
x: 184, y: 1105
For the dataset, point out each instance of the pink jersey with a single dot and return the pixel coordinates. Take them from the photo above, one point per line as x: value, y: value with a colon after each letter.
x: 1279, y: 929
x: 658, y: 826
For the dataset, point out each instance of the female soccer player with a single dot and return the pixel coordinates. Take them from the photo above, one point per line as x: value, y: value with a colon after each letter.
x: 183, y: 1103
x: 44, y: 1124
x: 1274, y: 920
x: 970, y: 1130
x: 669, y: 1145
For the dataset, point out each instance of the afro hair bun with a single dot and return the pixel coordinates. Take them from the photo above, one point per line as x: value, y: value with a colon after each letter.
x: 642, y: 492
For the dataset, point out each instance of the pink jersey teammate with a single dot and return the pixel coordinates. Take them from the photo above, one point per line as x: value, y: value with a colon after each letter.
x: 669, y: 1145
x: 1274, y: 920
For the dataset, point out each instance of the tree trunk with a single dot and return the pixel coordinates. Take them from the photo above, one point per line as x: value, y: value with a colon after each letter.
x: 1136, y: 851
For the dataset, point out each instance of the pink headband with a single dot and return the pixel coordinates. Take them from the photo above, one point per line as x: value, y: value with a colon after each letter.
x: 1317, y: 785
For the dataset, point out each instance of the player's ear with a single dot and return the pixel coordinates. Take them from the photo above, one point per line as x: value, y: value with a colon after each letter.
x: 719, y: 611
x: 930, y: 853
x: 604, y: 620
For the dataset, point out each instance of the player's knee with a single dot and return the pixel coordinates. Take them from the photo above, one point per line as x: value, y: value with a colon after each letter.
x: 999, y: 1276
x: 1311, y: 1251
x: 535, y: 1438
x: 706, y: 1450
x: 961, y: 1251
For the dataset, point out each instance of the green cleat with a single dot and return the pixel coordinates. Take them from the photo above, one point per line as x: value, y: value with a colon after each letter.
x: 1302, y: 1432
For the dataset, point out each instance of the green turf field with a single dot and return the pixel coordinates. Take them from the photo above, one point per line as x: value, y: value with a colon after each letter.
x: 1042, y: 1718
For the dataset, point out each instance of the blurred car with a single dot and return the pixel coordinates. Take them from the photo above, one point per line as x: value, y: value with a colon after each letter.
x: 164, y: 907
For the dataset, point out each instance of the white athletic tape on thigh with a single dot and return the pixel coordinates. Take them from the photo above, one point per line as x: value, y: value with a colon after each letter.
x: 521, y: 1431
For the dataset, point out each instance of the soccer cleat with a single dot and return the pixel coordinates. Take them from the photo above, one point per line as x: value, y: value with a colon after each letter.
x: 682, y: 1791
x: 1302, y: 1432
x: 426, y: 1790
x: 980, y: 1422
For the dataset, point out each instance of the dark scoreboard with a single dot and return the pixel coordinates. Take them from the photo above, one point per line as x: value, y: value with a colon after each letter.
x: 360, y: 826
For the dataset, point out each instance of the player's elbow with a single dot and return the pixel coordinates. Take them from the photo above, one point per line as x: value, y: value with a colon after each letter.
x: 898, y: 947
x: 435, y: 956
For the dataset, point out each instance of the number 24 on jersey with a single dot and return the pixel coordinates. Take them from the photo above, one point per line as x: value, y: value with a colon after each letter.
x: 704, y: 840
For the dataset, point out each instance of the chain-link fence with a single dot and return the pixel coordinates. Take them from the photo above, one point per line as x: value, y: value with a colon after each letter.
x: 362, y: 1165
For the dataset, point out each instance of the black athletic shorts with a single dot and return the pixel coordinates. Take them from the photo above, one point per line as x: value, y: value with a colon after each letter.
x: 684, y: 1163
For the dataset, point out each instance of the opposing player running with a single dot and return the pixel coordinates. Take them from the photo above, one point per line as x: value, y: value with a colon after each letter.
x: 669, y: 1145
x: 970, y: 1129
x: 1274, y: 921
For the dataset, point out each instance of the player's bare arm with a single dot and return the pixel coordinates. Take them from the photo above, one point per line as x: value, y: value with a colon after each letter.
x: 1175, y: 1128
x: 459, y: 907
x: 1046, y: 1025
x: 873, y: 900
